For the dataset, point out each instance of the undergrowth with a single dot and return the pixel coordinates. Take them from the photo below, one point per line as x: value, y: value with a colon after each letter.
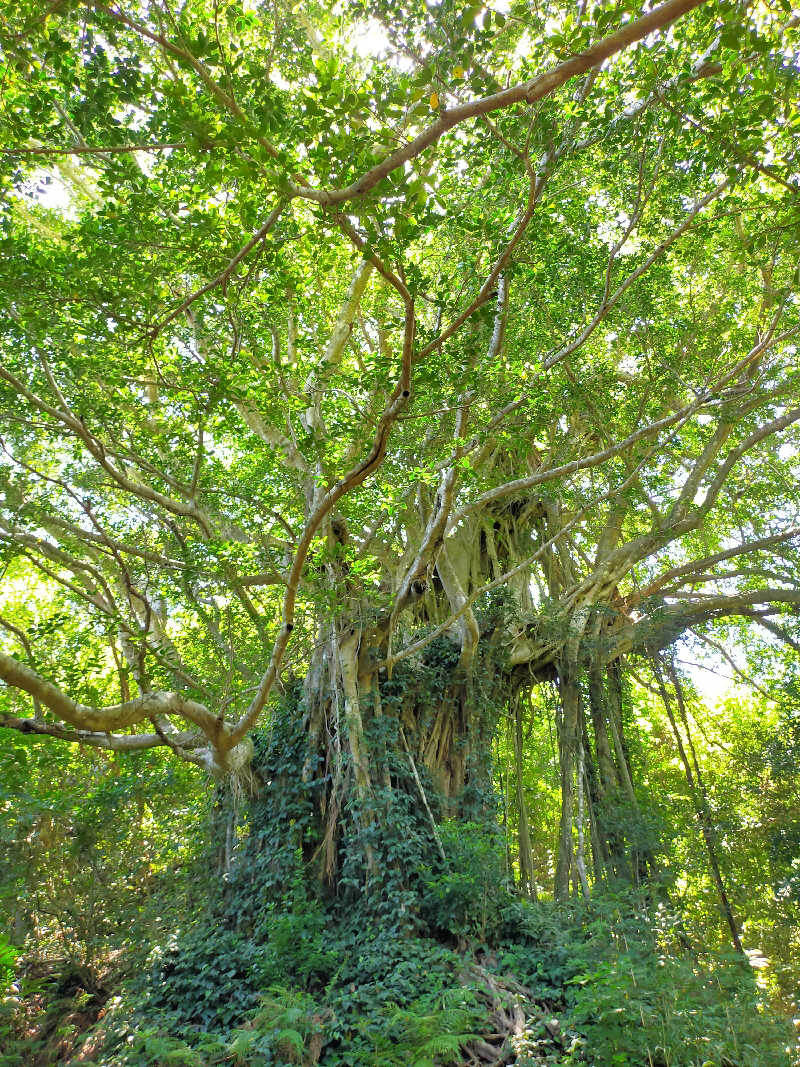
x: 410, y: 963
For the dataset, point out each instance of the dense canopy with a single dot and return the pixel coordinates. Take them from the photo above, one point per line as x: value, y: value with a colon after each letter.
x: 392, y: 307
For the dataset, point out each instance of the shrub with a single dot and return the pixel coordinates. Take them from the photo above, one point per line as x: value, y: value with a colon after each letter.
x: 465, y: 896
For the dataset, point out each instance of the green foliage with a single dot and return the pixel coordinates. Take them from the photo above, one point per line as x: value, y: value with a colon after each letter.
x: 184, y: 388
x: 297, y: 947
x: 634, y: 994
x: 638, y: 1005
x: 148, y: 1045
x: 466, y: 894
x: 379, y: 970
x: 8, y: 960
x: 10, y: 1047
x: 206, y: 975
x: 430, y: 1031
x: 285, y: 1029
x: 88, y: 841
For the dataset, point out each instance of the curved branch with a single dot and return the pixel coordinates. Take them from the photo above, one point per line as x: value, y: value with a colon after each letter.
x: 702, y: 565
x: 775, y: 630
x: 520, y: 485
x: 97, y: 451
x: 225, y: 273
x: 526, y: 92
x: 396, y: 403
x: 609, y: 301
x: 114, y: 742
x: 658, y: 630
x: 105, y: 719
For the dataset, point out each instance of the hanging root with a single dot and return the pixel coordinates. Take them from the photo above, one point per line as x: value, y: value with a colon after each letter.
x: 523, y: 1029
x: 242, y: 780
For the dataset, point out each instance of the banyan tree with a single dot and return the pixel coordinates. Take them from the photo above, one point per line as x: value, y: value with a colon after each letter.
x: 394, y: 363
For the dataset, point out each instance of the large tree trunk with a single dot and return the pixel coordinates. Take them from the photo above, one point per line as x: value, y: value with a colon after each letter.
x: 422, y: 737
x: 615, y: 790
x: 597, y: 786
x: 376, y: 746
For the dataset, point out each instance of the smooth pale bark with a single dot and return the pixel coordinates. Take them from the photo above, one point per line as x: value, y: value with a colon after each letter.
x: 526, y: 865
x: 105, y: 719
x: 151, y: 707
x: 698, y: 796
x: 569, y: 740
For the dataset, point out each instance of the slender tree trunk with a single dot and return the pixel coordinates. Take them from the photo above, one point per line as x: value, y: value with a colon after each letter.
x: 609, y: 780
x: 615, y: 782
x: 614, y: 705
x: 569, y: 740
x: 599, y: 845
x: 699, y: 799
x: 580, y: 856
x: 526, y: 866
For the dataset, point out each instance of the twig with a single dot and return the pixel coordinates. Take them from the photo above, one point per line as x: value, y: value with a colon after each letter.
x: 422, y: 794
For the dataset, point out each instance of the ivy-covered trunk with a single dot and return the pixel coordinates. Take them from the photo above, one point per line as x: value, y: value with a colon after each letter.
x: 387, y: 757
x: 373, y: 741
x: 419, y: 737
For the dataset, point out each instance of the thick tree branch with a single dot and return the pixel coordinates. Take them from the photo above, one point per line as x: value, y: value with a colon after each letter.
x: 526, y: 92
x: 396, y: 403
x: 700, y: 565
x: 114, y: 742
x: 112, y: 718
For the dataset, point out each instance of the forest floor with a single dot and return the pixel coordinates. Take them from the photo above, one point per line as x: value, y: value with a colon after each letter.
x: 60, y: 1021
x: 63, y: 1018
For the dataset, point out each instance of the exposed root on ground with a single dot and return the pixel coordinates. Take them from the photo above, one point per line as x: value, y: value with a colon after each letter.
x: 522, y: 1025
